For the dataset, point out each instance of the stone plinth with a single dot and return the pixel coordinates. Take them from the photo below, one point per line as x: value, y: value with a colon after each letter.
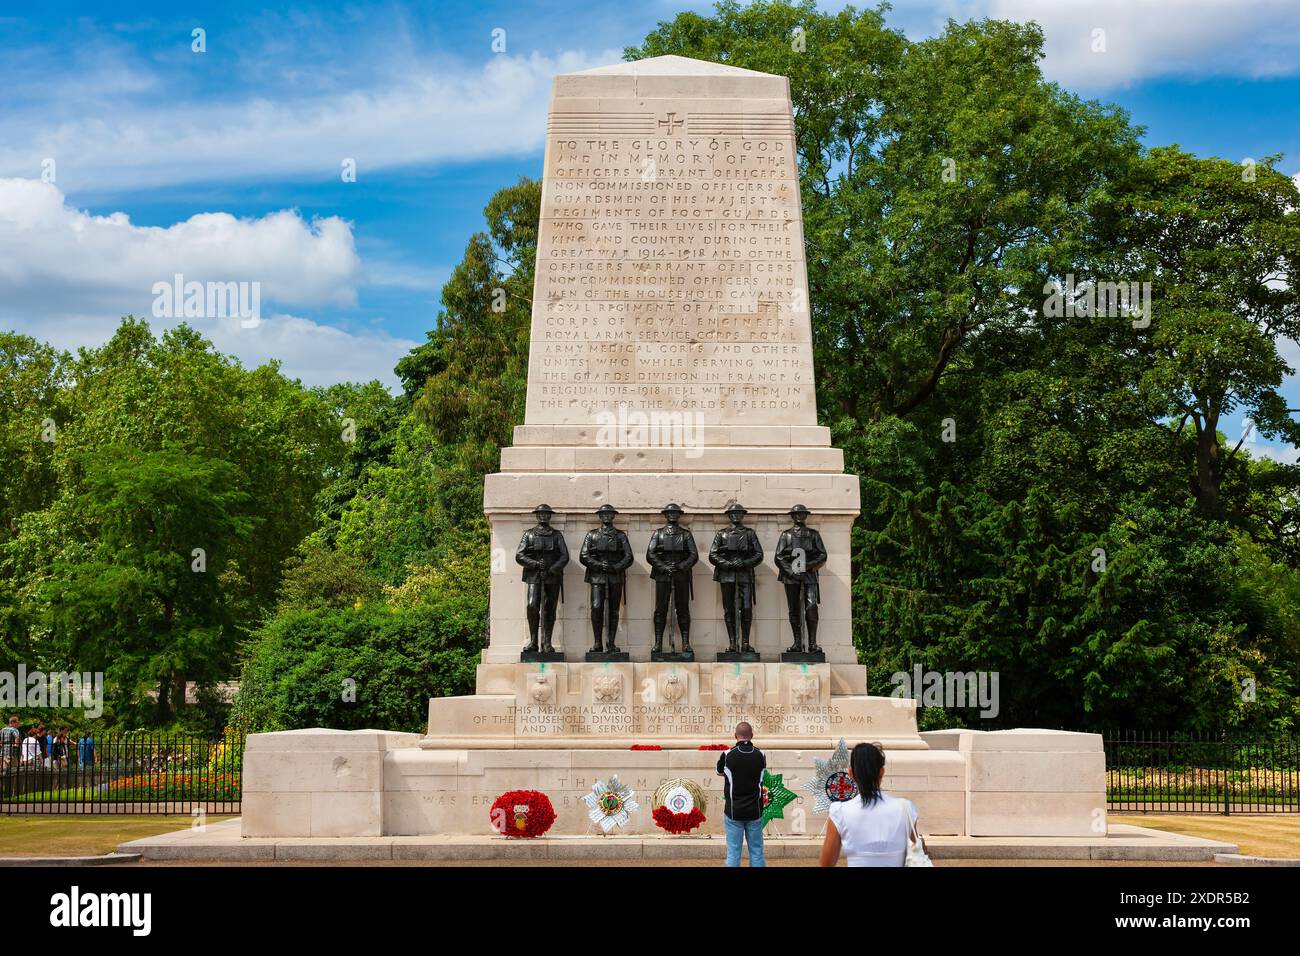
x: 1029, y: 783
x: 671, y: 349
x: 317, y: 783
x: 325, y: 783
x: 678, y: 706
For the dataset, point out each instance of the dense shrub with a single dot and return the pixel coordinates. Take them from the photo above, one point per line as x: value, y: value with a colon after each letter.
x: 301, y: 665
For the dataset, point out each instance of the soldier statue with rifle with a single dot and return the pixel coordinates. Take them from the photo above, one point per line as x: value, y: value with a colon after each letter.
x: 542, y: 554
x: 799, y: 554
x: 671, y: 556
x: 606, y: 554
x: 734, y: 555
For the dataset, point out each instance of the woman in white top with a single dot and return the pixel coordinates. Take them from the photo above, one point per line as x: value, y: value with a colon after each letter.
x: 871, y: 828
x: 31, y: 747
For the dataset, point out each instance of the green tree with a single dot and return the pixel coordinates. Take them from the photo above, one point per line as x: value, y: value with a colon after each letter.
x: 1220, y: 246
x: 144, y: 595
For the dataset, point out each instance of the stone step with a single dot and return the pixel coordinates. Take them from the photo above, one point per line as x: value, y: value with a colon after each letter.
x: 726, y: 458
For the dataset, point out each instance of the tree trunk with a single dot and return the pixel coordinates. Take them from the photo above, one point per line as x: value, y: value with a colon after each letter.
x: 1208, y: 467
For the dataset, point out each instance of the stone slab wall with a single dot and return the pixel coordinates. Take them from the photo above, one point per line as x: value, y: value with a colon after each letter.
x: 1030, y: 782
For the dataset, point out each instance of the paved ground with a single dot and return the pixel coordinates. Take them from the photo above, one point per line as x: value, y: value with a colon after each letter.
x: 1269, y: 835
x: 664, y: 863
x: 223, y: 842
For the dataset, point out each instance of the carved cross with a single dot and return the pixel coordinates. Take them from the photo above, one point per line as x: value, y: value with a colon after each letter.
x: 671, y: 122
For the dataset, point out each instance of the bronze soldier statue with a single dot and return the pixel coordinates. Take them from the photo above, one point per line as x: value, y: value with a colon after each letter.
x: 799, y: 553
x: 671, y: 556
x: 543, y: 554
x: 734, y: 555
x: 606, y: 554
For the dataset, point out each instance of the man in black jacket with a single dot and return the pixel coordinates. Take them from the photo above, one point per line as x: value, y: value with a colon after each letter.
x: 743, y: 767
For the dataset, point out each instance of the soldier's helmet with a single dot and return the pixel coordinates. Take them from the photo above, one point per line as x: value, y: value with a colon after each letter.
x: 543, y: 509
x: 799, y: 510
x: 606, y: 509
x: 672, y: 507
x: 736, y: 508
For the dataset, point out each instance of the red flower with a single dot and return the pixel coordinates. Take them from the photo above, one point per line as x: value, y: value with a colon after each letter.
x: 665, y: 819
x: 646, y: 747
x: 522, y: 813
x: 714, y: 747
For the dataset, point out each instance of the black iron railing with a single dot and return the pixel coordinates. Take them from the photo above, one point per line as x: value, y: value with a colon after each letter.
x: 1176, y: 772
x: 135, y: 773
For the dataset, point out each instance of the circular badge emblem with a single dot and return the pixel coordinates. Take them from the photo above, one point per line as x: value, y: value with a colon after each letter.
x: 679, y: 800
x: 840, y: 787
x: 611, y: 802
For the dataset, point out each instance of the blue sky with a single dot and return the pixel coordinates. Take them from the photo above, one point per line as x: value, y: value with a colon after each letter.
x: 228, y: 161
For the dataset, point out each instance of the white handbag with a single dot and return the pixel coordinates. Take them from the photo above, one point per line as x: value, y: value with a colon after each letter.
x: 916, y: 855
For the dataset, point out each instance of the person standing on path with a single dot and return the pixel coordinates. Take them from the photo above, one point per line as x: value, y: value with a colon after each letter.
x: 743, y: 767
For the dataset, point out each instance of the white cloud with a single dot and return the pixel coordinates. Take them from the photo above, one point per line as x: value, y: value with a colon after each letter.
x: 317, y: 354
x: 67, y: 277
x: 1143, y: 38
x: 418, y: 116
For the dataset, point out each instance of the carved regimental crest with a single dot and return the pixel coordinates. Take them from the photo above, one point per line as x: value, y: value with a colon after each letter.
x: 737, y: 690
x: 804, y: 690
x: 607, y: 688
x: 673, y: 688
x: 541, y: 689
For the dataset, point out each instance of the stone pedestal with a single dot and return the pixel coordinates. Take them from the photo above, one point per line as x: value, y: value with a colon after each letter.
x: 541, y: 657
x: 674, y: 705
x: 1030, y: 783
x: 802, y: 657
x: 325, y: 783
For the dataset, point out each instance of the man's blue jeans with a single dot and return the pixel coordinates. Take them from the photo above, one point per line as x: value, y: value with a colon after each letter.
x: 744, y: 830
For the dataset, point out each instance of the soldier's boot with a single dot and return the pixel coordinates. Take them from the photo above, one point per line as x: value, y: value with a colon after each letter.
x: 796, y: 625
x: 730, y: 620
x: 597, y: 629
x: 686, y: 637
x: 533, y: 621
x: 812, y: 635
x: 659, y: 638
x: 746, y: 619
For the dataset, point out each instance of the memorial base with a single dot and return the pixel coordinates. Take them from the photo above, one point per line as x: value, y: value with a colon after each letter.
x: 672, y: 657
x: 743, y: 657
x: 544, y: 657
x: 369, y: 783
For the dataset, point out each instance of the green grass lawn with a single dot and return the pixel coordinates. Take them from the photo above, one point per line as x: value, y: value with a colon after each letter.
x: 64, y: 835
x: 1256, y: 834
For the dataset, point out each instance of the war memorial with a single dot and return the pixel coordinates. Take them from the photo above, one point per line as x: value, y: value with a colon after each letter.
x: 670, y: 537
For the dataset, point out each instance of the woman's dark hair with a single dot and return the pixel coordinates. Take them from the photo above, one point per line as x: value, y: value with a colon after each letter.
x: 867, y: 760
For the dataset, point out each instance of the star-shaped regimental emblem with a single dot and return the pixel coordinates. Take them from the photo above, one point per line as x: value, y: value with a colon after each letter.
x: 779, y: 796
x: 830, y: 781
x: 610, y: 803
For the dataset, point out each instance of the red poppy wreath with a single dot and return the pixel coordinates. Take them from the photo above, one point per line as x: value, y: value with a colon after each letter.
x: 679, y: 806
x: 522, y: 813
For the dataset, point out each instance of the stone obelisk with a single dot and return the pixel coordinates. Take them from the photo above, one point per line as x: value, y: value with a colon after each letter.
x: 671, y: 354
